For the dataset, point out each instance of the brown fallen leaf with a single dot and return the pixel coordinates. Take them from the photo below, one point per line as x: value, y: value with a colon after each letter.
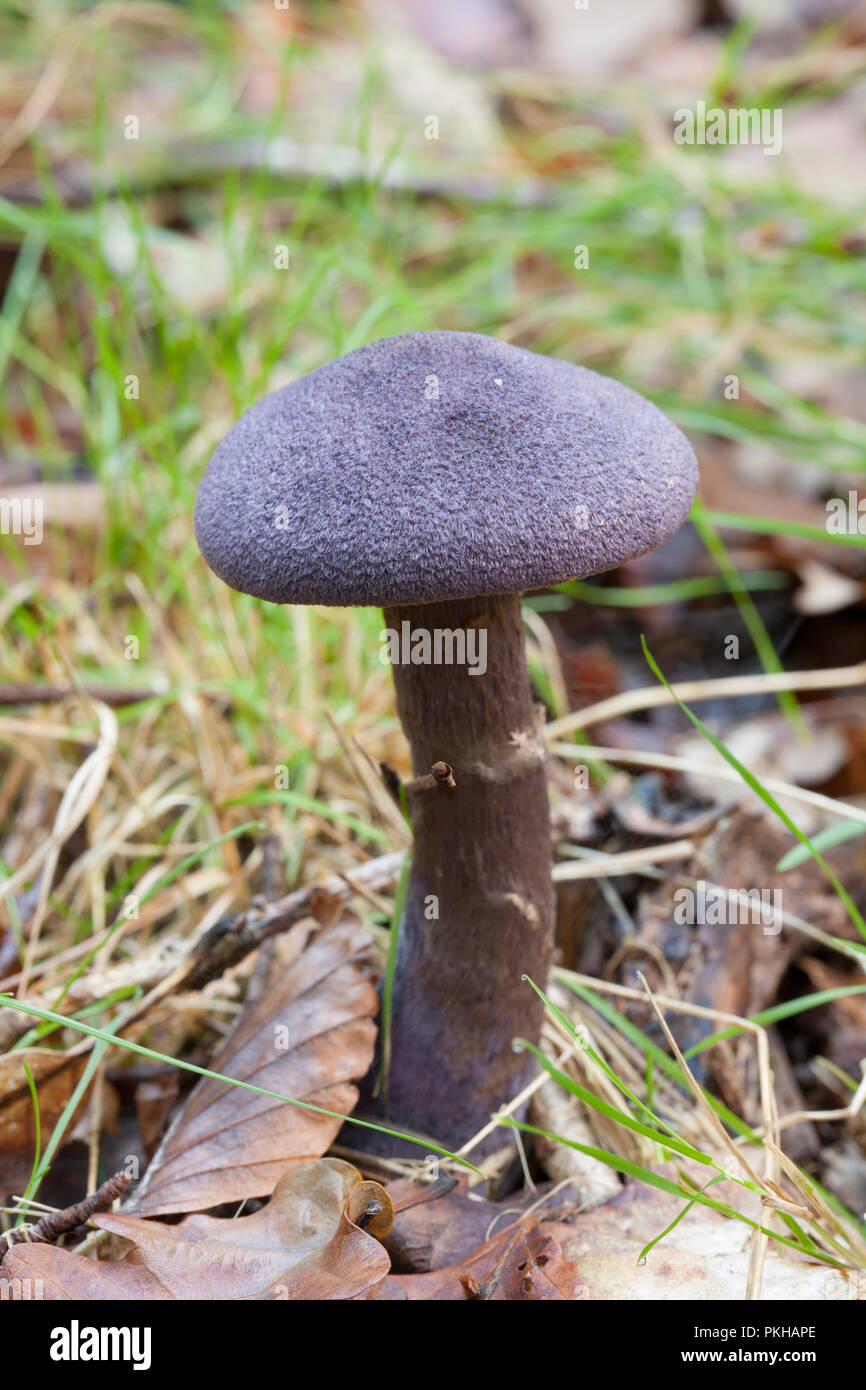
x: 434, y: 1234
x: 55, y: 1078
x: 54, y: 1224
x: 704, y: 1257
x: 154, y: 1101
x: 516, y: 1265
x: 307, y: 1243
x: 310, y: 1035
x: 826, y: 975
x: 837, y: 1030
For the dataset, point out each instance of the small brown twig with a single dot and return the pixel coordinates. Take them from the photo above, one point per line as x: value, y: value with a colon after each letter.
x: 49, y: 1228
x: 443, y: 773
x: 53, y: 694
x: 233, y: 937
x: 426, y: 1192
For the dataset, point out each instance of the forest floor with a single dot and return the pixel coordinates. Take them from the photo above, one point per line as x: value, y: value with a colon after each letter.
x: 198, y: 206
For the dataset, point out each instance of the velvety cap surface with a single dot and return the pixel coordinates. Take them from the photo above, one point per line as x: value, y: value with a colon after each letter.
x: 439, y: 465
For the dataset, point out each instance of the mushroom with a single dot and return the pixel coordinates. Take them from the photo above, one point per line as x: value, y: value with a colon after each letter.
x: 439, y: 476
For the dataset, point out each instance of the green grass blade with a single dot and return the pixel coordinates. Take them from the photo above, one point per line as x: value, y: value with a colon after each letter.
x: 666, y: 1065
x: 390, y: 976
x: 680, y: 1146
x: 831, y: 835
x: 749, y: 613
x: 646, y: 1175
x: 770, y: 526
x: 37, y: 1147
x: 104, y: 1035
x: 788, y: 1009
x: 641, y: 1259
x: 157, y: 887
x: 600, y: 1062
x: 318, y: 808
x: 677, y: 591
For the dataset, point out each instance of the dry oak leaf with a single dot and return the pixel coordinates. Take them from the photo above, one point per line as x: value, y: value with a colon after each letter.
x: 55, y: 1077
x: 430, y: 1235
x: 518, y: 1264
x: 705, y: 1258
x: 308, y: 1036
x: 305, y: 1244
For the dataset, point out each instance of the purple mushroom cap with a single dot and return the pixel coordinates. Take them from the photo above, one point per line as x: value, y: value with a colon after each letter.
x: 439, y: 466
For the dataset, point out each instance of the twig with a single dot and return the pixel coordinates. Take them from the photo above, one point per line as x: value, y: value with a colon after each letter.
x: 583, y: 753
x: 700, y: 1098
x: 49, y: 1228
x: 612, y: 865
x: 53, y: 694
x: 648, y: 697
x: 848, y: 1112
x: 427, y: 1192
x: 233, y: 937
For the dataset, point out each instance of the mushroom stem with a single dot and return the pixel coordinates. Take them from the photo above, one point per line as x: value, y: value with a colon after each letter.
x: 480, y: 907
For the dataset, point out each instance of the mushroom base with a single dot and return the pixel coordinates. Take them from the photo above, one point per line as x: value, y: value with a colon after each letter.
x: 479, y: 911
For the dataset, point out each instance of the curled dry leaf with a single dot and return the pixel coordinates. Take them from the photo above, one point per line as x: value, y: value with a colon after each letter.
x: 305, y: 1244
x: 520, y: 1263
x: 308, y: 1036
x: 55, y: 1077
x: 431, y: 1235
